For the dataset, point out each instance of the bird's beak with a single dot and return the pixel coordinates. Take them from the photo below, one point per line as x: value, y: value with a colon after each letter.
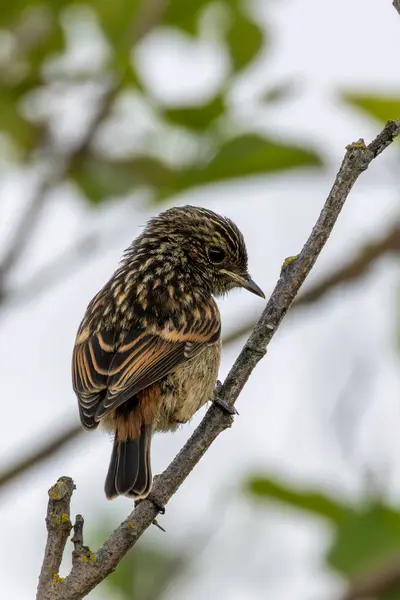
x: 251, y: 286
x: 245, y: 282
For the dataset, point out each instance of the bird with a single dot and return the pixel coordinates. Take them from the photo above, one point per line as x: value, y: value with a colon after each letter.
x: 148, y: 349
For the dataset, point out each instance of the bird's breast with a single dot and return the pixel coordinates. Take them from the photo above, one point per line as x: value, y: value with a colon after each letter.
x: 189, y: 387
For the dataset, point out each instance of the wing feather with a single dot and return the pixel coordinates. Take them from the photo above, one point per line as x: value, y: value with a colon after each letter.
x: 106, y: 375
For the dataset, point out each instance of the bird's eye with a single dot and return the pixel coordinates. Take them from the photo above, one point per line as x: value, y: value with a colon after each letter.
x: 216, y: 255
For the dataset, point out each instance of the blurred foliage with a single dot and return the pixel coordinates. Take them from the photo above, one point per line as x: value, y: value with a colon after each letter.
x: 312, y: 501
x: 245, y: 155
x: 146, y: 572
x: 380, y: 107
x: 365, y: 536
x: 35, y: 43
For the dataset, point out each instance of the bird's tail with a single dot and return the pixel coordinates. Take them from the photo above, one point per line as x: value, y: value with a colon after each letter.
x: 129, y: 473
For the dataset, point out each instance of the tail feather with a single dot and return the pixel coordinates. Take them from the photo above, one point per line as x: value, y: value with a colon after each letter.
x: 129, y: 473
x: 128, y: 466
x: 109, y: 486
x: 143, y: 482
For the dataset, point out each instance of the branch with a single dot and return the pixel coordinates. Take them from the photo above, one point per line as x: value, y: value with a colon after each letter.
x: 22, y: 233
x: 40, y: 454
x: 87, y: 574
x: 53, y: 273
x: 359, y: 266
x: 58, y: 530
x: 396, y: 4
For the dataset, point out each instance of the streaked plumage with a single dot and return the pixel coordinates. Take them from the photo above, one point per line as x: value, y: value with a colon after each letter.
x: 147, y: 352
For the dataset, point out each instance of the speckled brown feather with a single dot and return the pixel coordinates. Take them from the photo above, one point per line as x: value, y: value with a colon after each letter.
x: 147, y: 351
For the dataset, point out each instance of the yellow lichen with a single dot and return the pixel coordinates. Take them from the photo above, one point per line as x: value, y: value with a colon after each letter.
x: 131, y: 524
x: 63, y: 519
x: 57, y: 578
x: 359, y: 144
x: 85, y: 559
x: 93, y: 558
x: 288, y: 261
x: 55, y: 493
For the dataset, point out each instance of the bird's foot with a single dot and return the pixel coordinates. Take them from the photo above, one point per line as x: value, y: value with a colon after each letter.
x: 158, y: 505
x: 153, y: 499
x: 229, y: 408
x: 218, y: 387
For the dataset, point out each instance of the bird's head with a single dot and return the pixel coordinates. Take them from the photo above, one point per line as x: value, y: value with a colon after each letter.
x: 204, y: 244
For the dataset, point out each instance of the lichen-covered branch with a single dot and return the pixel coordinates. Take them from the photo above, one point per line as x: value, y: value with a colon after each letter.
x: 89, y: 570
x: 58, y: 529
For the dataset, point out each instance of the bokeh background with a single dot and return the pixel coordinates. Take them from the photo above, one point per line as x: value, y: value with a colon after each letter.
x: 111, y: 111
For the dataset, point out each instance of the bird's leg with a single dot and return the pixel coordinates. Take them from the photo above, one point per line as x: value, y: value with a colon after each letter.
x: 229, y: 408
x: 154, y: 500
x: 158, y: 505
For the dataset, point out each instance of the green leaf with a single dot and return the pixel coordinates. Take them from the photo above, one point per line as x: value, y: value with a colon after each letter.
x: 382, y: 108
x: 184, y: 14
x: 390, y: 595
x: 23, y: 133
x: 117, y: 18
x: 53, y: 43
x: 11, y: 12
x: 247, y: 155
x: 245, y: 40
x: 365, y: 539
x: 102, y: 179
x: 196, y: 118
x: 308, y: 500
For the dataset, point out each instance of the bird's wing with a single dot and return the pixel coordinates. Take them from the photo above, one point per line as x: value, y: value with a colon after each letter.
x: 91, y: 360
x: 105, y: 378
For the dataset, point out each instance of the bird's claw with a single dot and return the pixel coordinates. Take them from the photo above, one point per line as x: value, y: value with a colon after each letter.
x: 153, y: 499
x: 218, y: 387
x: 229, y: 408
x: 157, y: 524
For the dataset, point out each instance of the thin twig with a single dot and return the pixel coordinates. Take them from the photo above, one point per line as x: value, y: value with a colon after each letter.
x: 84, y: 576
x: 53, y: 273
x: 23, y: 231
x: 80, y: 549
x: 396, y: 4
x: 40, y: 454
x: 58, y: 530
